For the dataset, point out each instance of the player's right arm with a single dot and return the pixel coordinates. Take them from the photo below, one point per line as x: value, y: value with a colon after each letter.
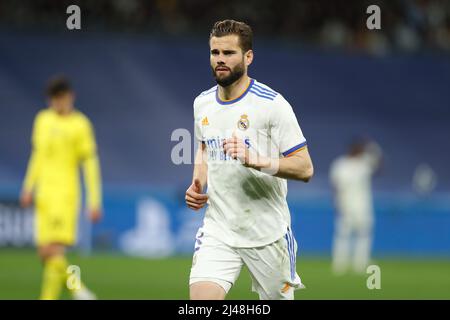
x: 195, y: 198
x: 34, y: 164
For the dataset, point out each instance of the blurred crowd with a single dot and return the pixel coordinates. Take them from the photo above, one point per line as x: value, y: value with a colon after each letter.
x: 406, y: 25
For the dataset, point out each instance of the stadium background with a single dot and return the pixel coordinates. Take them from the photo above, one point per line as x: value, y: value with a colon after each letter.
x: 137, y: 66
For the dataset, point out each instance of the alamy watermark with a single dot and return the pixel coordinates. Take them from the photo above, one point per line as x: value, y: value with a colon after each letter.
x: 73, y: 21
x: 374, y: 280
x: 73, y: 278
x: 252, y: 147
x: 374, y: 20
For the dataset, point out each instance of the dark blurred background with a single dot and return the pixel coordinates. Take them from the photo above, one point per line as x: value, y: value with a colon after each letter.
x: 408, y: 26
x: 138, y: 65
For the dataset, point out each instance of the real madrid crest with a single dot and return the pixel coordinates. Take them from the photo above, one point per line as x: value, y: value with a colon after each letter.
x: 243, y: 122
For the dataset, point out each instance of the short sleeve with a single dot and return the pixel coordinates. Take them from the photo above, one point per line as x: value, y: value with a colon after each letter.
x: 334, y: 173
x: 197, y: 124
x: 285, y: 129
x: 198, y: 131
x: 37, y: 134
x: 87, y: 145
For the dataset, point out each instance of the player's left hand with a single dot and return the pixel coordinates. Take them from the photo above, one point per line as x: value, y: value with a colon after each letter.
x: 235, y: 147
x: 95, y: 215
x: 26, y: 199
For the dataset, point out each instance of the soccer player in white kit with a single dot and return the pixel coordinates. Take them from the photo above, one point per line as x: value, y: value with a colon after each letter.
x: 249, y: 143
x: 351, y: 177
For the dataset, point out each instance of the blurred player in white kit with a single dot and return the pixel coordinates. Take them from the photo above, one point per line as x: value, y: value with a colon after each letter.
x: 351, y: 177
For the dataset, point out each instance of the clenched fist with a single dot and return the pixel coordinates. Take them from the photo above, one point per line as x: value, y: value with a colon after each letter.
x: 195, y: 199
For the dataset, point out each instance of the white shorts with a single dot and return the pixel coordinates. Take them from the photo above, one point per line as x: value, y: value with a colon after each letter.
x: 272, y: 267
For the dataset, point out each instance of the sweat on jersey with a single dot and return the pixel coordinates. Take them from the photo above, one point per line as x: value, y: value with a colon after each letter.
x: 246, y: 207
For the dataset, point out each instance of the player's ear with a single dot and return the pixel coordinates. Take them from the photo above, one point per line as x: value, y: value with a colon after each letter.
x: 248, y: 57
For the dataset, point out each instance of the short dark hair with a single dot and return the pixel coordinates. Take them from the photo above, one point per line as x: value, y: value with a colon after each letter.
x: 357, y: 146
x: 229, y: 27
x: 58, y: 85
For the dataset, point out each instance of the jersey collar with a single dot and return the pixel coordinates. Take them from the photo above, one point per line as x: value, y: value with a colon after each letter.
x: 224, y: 102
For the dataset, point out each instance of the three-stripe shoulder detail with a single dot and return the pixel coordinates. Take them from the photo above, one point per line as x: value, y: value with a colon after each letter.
x: 207, y: 92
x: 263, y: 91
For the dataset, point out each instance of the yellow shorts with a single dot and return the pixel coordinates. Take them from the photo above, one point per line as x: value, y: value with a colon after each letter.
x: 56, y: 221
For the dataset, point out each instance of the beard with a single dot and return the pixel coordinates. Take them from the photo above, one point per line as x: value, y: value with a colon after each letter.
x: 235, y: 74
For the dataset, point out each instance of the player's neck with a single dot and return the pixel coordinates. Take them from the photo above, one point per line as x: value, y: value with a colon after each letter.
x: 61, y: 112
x: 235, y: 89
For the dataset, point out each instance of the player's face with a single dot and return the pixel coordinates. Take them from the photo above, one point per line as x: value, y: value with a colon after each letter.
x: 63, y: 103
x: 228, y: 62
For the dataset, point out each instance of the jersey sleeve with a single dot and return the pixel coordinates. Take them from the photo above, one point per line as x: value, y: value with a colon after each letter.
x: 197, y: 124
x: 36, y: 152
x: 86, y: 143
x: 90, y: 163
x: 285, y: 129
x: 334, y: 173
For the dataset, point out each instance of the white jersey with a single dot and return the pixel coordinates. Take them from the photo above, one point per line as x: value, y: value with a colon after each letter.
x: 351, y: 178
x: 246, y: 207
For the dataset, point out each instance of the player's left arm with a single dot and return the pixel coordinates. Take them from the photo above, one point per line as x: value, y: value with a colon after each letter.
x: 374, y: 156
x: 297, y: 166
x: 293, y: 162
x: 91, y: 169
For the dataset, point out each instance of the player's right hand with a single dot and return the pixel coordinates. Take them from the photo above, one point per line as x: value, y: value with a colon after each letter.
x: 26, y: 199
x: 195, y: 199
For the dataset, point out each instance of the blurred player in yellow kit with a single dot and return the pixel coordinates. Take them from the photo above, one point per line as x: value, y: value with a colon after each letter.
x: 62, y: 141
